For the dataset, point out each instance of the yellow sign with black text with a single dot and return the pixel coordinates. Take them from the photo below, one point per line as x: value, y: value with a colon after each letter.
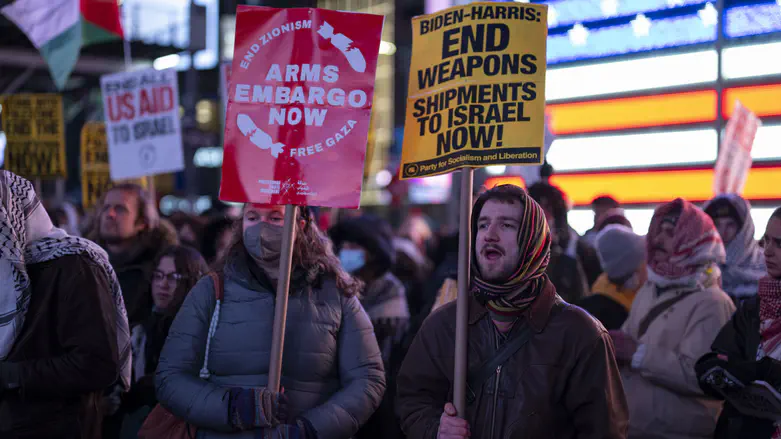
x: 35, y: 135
x: 476, y: 92
x: 95, y: 176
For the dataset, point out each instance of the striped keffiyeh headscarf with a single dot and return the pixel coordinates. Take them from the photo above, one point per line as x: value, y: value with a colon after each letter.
x: 697, y: 245
x: 27, y: 236
x: 514, y: 296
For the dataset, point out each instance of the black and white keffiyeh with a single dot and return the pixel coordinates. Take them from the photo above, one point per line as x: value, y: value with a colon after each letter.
x: 27, y: 236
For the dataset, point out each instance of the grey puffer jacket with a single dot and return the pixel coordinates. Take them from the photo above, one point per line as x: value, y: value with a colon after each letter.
x: 332, y: 370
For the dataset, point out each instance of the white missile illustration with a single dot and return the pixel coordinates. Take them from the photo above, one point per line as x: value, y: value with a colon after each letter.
x: 257, y: 136
x: 341, y: 42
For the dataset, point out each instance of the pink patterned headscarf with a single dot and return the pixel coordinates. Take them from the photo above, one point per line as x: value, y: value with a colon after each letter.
x: 697, y: 242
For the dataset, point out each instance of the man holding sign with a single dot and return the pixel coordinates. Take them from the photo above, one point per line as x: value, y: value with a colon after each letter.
x: 538, y: 367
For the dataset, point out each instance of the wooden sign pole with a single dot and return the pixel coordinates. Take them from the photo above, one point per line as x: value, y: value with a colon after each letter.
x: 462, y: 302
x: 280, y: 310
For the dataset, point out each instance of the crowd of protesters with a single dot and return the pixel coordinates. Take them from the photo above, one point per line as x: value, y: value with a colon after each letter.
x: 111, y: 317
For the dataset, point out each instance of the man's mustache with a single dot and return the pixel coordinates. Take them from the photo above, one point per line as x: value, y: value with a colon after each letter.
x: 493, y: 247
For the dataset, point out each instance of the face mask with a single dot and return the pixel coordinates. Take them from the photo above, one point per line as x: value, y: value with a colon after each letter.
x: 352, y: 260
x: 263, y: 241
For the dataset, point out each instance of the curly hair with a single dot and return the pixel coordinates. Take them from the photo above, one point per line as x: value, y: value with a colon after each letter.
x: 313, y: 253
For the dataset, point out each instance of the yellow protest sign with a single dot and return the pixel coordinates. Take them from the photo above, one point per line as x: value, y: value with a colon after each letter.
x: 476, y: 92
x: 35, y: 134
x: 95, y: 176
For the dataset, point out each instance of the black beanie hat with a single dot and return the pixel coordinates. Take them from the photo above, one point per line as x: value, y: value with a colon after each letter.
x: 370, y: 232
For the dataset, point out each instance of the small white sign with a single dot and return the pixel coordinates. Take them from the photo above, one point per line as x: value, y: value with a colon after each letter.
x: 734, y: 162
x: 142, y: 123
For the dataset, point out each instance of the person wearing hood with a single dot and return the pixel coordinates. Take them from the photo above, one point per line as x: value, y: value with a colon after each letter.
x: 622, y: 255
x: 745, y: 261
x: 128, y: 227
x: 560, y: 379
x: 365, y: 248
x: 674, y: 319
x: 749, y: 346
x: 213, y: 369
x: 574, y: 264
x: 64, y: 335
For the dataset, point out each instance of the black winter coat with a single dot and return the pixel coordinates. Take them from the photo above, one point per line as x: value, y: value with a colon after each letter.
x: 739, y: 341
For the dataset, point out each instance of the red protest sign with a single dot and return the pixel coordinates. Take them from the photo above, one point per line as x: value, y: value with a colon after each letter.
x: 299, y: 105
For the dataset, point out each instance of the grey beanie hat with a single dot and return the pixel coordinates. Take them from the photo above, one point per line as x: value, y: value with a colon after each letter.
x: 620, y: 251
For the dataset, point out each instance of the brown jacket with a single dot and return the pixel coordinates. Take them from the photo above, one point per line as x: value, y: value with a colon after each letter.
x: 563, y: 383
x: 65, y: 356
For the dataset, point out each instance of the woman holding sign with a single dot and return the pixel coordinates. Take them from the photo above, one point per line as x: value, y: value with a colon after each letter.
x: 213, y: 370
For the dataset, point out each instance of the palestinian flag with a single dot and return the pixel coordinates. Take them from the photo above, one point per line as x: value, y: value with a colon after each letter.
x: 60, y: 28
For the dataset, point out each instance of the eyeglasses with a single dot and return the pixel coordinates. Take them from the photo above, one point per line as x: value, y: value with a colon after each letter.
x: 159, y: 276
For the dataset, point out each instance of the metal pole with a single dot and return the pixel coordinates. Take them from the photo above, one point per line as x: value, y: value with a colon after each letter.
x: 280, y: 310
x: 462, y: 302
x: 128, y: 55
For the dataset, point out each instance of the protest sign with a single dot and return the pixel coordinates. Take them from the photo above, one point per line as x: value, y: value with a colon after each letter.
x: 142, y: 123
x: 35, y: 135
x: 477, y: 88
x: 531, y: 174
x: 95, y: 179
x: 734, y: 161
x: 299, y: 106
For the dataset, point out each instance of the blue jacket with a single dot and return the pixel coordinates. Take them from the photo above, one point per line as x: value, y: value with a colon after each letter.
x: 332, y: 370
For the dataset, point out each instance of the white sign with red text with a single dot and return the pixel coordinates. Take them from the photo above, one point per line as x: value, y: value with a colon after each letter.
x: 142, y: 123
x: 734, y: 161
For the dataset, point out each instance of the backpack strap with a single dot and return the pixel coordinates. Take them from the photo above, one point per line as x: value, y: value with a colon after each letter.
x: 219, y: 293
x: 657, y: 310
x: 476, y: 377
x: 479, y: 375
